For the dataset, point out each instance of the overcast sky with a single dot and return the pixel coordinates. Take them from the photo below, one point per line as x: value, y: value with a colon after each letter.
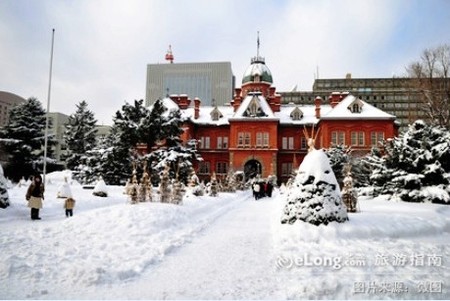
x: 102, y: 47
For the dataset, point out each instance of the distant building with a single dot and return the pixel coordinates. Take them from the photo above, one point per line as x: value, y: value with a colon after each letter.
x: 57, y: 129
x: 207, y: 81
x: 7, y: 101
x: 396, y: 96
x: 59, y: 121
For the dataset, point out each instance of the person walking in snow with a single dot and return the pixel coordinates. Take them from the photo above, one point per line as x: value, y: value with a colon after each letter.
x: 256, y: 190
x: 35, y: 195
x: 69, y: 204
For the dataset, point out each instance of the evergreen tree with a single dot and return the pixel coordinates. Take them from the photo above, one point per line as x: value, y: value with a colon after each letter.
x: 80, y: 136
x: 414, y: 167
x: 162, y: 126
x: 23, y: 139
x: 314, y: 196
x: 339, y: 155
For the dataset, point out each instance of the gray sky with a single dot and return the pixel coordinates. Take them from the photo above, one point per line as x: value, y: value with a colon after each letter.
x: 102, y: 47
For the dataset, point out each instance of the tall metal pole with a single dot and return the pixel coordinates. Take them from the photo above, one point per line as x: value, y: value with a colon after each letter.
x: 48, y: 108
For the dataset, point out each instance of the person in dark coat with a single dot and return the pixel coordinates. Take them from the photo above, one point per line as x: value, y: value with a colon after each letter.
x: 269, y: 189
x: 34, y: 196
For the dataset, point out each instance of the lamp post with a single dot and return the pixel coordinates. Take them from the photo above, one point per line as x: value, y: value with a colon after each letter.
x: 48, y: 108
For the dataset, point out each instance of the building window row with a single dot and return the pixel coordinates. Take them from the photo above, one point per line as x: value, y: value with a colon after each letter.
x: 205, y: 142
x: 204, y: 168
x: 244, y: 139
x: 357, y: 138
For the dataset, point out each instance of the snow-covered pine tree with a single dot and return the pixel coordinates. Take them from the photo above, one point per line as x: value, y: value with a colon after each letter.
x: 4, y: 197
x: 166, y: 128
x: 80, y: 136
x: 119, y: 145
x: 414, y: 167
x: 23, y: 139
x: 314, y: 196
x: 339, y: 155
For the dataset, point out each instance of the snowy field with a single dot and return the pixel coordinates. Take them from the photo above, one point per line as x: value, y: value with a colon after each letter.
x: 229, y: 247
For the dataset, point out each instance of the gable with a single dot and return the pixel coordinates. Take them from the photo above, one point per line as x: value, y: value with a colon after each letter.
x: 296, y: 114
x: 254, y: 105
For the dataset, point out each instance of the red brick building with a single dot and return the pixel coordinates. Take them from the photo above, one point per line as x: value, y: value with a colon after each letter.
x: 256, y: 134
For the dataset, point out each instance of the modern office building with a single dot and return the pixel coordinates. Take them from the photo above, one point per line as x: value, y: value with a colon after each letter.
x: 206, y: 81
x: 7, y: 101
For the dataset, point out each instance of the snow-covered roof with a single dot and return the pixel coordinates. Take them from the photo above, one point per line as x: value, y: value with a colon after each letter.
x: 205, y: 115
x: 343, y: 110
x: 264, y: 110
x: 309, y: 114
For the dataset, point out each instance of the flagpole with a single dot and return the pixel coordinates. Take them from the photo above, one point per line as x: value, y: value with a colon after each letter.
x: 48, y: 108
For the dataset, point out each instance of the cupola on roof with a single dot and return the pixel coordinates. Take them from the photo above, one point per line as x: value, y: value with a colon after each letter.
x: 257, y: 72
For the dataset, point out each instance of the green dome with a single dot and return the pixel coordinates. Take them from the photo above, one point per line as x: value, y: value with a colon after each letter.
x: 257, y: 69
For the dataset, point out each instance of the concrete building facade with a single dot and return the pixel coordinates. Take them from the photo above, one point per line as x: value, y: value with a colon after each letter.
x: 206, y: 81
x: 7, y: 101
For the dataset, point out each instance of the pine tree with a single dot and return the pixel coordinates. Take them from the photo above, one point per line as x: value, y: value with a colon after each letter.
x: 314, y: 197
x: 339, y: 155
x: 80, y: 136
x: 168, y: 128
x: 23, y: 139
x: 414, y: 167
x: 4, y: 197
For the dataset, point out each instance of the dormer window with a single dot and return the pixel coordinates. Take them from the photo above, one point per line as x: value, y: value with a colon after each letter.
x: 296, y: 114
x: 216, y: 114
x: 356, y: 106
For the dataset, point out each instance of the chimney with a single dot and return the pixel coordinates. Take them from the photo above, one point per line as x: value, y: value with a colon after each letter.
x: 318, y: 102
x: 182, y: 101
x: 197, y: 102
x: 335, y: 98
x: 237, y: 99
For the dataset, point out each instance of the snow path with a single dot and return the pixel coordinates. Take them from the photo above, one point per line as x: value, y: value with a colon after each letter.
x: 235, y: 257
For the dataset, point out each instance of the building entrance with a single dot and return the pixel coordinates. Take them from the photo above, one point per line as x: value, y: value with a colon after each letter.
x: 252, y: 168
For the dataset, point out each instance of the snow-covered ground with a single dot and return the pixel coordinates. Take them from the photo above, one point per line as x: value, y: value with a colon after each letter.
x: 229, y: 247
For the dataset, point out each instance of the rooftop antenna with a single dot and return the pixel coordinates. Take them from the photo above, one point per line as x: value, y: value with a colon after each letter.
x: 257, y: 45
x: 169, y: 55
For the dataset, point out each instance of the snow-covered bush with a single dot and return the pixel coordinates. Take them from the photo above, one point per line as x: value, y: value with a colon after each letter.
x: 100, y: 188
x: 314, y: 196
x: 64, y: 190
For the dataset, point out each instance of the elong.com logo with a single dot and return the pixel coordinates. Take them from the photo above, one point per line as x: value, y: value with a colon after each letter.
x: 287, y: 262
